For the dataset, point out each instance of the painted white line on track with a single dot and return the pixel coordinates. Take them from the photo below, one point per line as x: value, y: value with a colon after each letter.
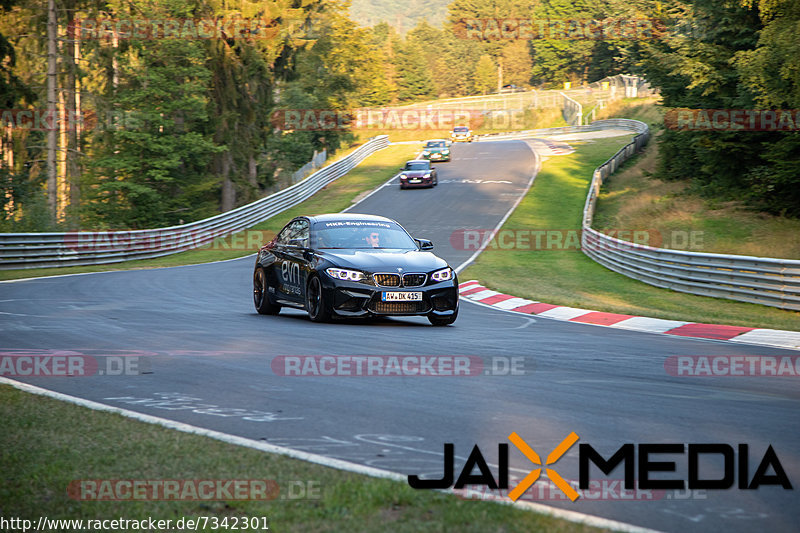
x: 770, y: 337
x: 653, y: 325
x: 538, y: 166
x: 571, y: 516
x: 483, y: 294
x: 134, y: 269
x: 513, y: 303
x: 564, y: 313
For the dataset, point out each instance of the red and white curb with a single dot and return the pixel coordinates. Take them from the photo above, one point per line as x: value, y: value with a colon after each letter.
x: 476, y: 292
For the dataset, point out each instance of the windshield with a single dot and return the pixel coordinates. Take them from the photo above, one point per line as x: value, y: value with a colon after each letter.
x: 435, y: 144
x: 361, y: 234
x: 418, y: 166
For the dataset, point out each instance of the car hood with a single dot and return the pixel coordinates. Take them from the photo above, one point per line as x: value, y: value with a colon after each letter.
x: 415, y: 173
x: 384, y: 260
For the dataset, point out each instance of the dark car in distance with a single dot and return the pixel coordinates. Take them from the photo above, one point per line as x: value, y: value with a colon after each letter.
x: 348, y: 265
x: 436, y: 150
x: 418, y: 173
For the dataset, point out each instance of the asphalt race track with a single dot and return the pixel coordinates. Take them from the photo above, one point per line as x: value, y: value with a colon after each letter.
x: 207, y: 357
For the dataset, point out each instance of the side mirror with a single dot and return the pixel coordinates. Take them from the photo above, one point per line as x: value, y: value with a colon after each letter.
x: 424, y: 244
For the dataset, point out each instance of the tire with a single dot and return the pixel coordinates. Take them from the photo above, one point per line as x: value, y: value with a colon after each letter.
x: 443, y: 321
x: 317, y: 308
x: 260, y: 296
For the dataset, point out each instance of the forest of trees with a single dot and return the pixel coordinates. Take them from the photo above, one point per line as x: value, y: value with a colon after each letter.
x: 178, y: 128
x: 742, y: 54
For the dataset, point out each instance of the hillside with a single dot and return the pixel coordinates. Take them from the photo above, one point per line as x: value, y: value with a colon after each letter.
x: 402, y: 15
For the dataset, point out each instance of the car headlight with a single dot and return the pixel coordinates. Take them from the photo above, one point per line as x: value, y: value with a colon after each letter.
x: 443, y: 274
x: 346, y: 275
x: 403, y: 176
x: 427, y: 175
x: 425, y: 152
x: 445, y: 152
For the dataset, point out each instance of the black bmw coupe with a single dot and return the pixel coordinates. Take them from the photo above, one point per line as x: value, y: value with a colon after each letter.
x: 347, y: 265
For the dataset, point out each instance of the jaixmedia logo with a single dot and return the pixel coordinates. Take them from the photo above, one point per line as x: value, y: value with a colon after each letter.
x: 636, y: 459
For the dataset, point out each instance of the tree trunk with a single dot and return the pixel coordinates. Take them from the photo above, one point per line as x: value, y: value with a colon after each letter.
x: 52, y: 109
x: 499, y: 73
x: 73, y: 119
x: 252, y: 171
x: 228, y: 200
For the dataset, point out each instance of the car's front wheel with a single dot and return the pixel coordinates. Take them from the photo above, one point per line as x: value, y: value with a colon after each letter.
x: 316, y: 306
x: 443, y: 321
x: 260, y: 297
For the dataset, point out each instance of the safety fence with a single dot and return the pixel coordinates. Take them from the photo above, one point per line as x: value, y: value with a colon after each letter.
x: 39, y: 250
x: 761, y: 280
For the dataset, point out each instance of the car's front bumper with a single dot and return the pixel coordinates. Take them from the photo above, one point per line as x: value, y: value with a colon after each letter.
x: 422, y: 182
x: 354, y: 299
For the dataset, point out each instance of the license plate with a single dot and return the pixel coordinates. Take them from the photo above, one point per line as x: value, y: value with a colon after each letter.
x: 401, y: 297
x: 414, y: 180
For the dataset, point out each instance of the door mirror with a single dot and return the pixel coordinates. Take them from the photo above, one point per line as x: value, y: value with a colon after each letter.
x: 424, y: 244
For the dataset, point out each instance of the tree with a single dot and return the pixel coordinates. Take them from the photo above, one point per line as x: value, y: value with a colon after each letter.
x: 517, y: 64
x: 414, y: 79
x: 739, y: 54
x: 485, y: 74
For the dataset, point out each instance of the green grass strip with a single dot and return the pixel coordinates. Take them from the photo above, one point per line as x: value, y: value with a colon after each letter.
x: 563, y: 275
x: 48, y: 443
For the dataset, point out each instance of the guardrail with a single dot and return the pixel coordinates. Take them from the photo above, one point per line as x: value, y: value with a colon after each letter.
x: 523, y: 134
x: 571, y: 110
x: 39, y: 250
x: 762, y: 280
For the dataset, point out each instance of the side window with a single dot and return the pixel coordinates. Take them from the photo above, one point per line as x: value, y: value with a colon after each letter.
x: 285, y: 234
x: 294, y: 230
x: 300, y: 231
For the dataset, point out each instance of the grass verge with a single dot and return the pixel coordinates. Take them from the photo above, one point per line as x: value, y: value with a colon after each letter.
x: 563, y: 275
x: 636, y: 198
x: 372, y: 172
x: 47, y: 444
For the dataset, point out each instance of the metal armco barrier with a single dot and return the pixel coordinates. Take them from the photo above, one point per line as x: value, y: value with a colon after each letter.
x: 572, y: 111
x: 761, y: 280
x: 39, y: 250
